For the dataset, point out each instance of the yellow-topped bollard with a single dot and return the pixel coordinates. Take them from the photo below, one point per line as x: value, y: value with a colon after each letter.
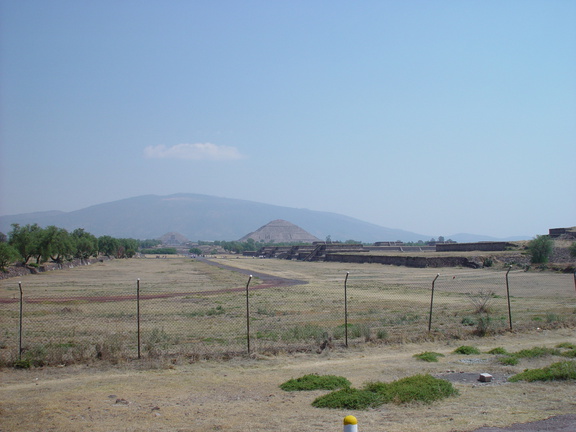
x: 350, y: 424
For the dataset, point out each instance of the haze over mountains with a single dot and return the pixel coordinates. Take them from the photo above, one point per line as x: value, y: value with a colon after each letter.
x: 204, y: 217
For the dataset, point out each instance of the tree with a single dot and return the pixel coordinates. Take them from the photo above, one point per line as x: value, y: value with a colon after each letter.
x: 26, y: 240
x: 55, y: 244
x: 3, y: 238
x: 108, y: 245
x: 85, y: 244
x: 540, y: 249
x: 8, y: 254
x: 195, y: 251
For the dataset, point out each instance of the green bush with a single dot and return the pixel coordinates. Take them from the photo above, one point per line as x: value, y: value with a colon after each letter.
x: 560, y: 371
x: 422, y: 388
x: 540, y: 249
x: 466, y: 350
x: 498, y: 350
x: 428, y: 356
x: 315, y: 382
x: 348, y: 398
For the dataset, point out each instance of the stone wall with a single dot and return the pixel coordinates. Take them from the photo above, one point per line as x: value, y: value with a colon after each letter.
x: 467, y: 247
x: 408, y: 261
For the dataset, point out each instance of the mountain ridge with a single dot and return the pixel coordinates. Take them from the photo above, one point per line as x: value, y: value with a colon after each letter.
x: 205, y: 217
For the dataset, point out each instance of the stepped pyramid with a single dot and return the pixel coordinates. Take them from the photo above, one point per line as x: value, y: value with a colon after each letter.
x: 280, y: 231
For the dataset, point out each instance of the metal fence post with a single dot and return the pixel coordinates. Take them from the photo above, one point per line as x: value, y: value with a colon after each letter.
x: 508, y: 296
x: 248, y: 315
x: 346, y: 309
x: 138, y: 316
x: 20, y: 325
x: 432, y: 303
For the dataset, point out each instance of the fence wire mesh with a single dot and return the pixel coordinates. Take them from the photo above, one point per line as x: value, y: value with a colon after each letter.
x: 190, y: 308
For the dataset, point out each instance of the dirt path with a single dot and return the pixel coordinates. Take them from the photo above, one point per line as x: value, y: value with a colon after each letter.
x: 243, y: 394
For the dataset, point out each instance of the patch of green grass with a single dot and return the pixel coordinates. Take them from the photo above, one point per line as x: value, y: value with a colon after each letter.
x: 348, y: 398
x: 498, y: 350
x: 466, y: 350
x: 509, y: 360
x: 422, y: 388
x: 354, y: 331
x: 536, y: 352
x: 566, y: 345
x: 315, y: 382
x: 428, y: 356
x: 560, y: 371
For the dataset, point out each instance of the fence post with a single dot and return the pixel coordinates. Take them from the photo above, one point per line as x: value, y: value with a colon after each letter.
x: 138, y: 316
x: 508, y: 296
x: 248, y: 315
x: 20, y: 325
x: 575, y: 280
x: 432, y: 303
x: 346, y: 310
x: 350, y: 424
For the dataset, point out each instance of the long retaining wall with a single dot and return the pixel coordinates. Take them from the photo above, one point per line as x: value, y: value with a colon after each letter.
x: 408, y: 261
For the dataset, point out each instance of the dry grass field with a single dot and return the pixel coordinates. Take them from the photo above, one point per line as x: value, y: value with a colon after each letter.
x: 194, y: 318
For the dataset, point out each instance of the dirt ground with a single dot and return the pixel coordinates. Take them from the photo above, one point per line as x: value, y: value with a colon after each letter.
x: 242, y: 394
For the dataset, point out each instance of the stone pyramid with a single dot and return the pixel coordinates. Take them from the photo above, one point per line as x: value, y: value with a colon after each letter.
x: 280, y: 231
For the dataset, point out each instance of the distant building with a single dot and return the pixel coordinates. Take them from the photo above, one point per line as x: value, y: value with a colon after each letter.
x: 280, y: 231
x: 173, y: 239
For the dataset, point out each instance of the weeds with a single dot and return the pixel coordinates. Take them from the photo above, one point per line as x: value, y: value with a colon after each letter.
x: 315, y: 382
x: 466, y: 350
x: 560, y: 371
x: 428, y: 356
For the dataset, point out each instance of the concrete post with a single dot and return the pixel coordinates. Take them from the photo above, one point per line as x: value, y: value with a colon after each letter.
x: 350, y: 424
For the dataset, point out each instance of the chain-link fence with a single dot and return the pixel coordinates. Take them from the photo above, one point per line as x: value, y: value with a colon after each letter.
x: 198, y: 313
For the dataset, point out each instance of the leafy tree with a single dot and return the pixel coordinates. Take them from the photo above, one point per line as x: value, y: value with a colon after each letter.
x: 195, y: 251
x: 540, y: 249
x: 8, y: 254
x: 26, y: 240
x: 149, y: 243
x: 86, y: 244
x: 127, y: 248
x: 56, y: 244
x: 108, y: 245
x: 3, y: 238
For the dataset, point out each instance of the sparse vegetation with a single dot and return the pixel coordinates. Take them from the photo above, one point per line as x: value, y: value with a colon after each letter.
x: 428, y: 356
x: 315, y: 382
x: 560, y: 371
x: 467, y: 350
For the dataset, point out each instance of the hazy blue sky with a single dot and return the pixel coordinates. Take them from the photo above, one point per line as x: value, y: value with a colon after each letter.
x: 437, y: 117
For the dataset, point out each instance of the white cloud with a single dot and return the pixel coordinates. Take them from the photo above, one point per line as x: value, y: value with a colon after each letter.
x: 198, y: 151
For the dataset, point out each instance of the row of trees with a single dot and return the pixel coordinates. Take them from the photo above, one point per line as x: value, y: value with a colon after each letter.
x: 34, y: 244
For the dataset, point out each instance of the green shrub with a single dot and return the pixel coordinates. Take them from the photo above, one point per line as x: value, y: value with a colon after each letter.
x: 466, y: 350
x: 567, y: 345
x: 498, y: 350
x: 382, y: 334
x: 354, y: 331
x: 315, y: 382
x: 348, y: 398
x: 509, y: 360
x: 536, y: 352
x: 428, y: 356
x: 560, y: 371
x: 422, y: 388
x: 540, y: 249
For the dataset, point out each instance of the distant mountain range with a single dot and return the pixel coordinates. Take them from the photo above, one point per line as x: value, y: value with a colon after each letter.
x: 204, y: 217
